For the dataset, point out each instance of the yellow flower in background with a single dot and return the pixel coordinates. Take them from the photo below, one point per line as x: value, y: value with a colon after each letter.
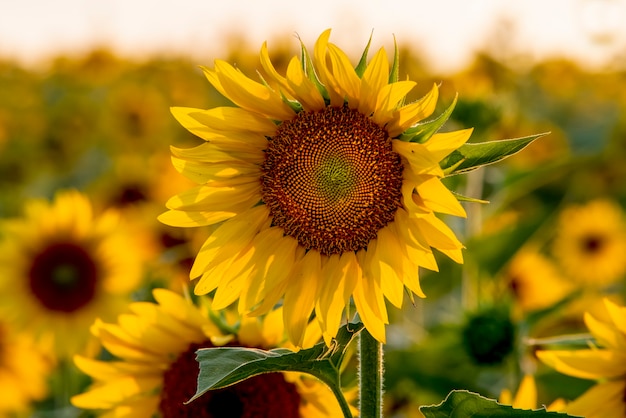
x: 605, y: 363
x: 62, y: 266
x: 535, y: 281
x: 316, y: 191
x: 24, y: 370
x: 153, y: 374
x: 591, y: 242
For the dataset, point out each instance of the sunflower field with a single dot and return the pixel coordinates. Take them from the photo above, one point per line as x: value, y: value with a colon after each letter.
x: 148, y: 214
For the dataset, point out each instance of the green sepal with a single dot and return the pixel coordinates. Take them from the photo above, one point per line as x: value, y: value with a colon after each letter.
x: 362, y: 65
x: 462, y: 404
x: 225, y: 366
x: 422, y: 132
x: 394, y: 75
x: 475, y: 155
x: 462, y: 198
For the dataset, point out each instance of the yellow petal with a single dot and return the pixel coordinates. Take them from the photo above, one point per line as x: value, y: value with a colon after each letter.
x: 218, y: 199
x: 438, y: 198
x: 325, y: 75
x: 267, y: 65
x: 236, y: 149
x: 300, y: 296
x: 604, y: 400
x: 617, y: 314
x: 375, y: 77
x: 229, y: 239
x: 440, y: 145
x: 385, y: 262
x: 305, y: 91
x: 251, y: 95
x: 437, y: 233
x: 193, y: 218
x: 339, y: 281
x: 233, y: 280
x: 370, y: 304
x: 347, y: 79
x: 108, y: 395
x: 526, y: 396
x: 606, y: 334
x: 419, y: 158
x: 388, y: 98
x: 274, y: 259
x: 586, y: 364
x: 229, y: 119
x: 412, y: 113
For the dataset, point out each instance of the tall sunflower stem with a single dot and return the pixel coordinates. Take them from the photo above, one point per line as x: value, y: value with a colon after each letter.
x: 370, y: 376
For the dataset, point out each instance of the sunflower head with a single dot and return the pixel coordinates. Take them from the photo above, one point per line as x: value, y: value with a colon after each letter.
x: 322, y: 184
x: 591, y: 242
x: 63, y: 265
x: 155, y: 348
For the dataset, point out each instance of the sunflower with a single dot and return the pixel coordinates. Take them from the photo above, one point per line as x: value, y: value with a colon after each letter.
x: 24, y: 370
x: 591, y: 242
x: 156, y: 344
x: 62, y: 266
x: 318, y: 193
x: 535, y: 281
x: 605, y: 363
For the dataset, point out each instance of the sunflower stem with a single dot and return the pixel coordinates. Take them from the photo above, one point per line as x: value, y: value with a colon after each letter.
x: 370, y: 376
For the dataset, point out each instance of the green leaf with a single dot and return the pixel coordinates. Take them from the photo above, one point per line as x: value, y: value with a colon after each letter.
x: 462, y: 404
x: 421, y: 132
x: 472, y: 156
x: 225, y: 366
x: 362, y: 65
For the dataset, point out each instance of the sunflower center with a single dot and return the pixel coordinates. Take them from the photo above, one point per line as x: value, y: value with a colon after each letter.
x: 63, y: 277
x: 264, y: 396
x: 331, y: 179
x: 592, y: 244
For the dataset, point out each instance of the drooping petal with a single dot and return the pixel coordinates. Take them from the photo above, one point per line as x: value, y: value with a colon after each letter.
x: 301, y: 295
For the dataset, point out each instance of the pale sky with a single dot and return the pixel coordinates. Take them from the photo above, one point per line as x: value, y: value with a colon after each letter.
x: 446, y: 31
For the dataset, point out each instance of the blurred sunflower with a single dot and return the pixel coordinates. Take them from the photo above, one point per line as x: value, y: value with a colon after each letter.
x: 156, y: 345
x: 591, y: 242
x: 24, y: 370
x: 535, y: 281
x: 606, y: 364
x: 319, y: 189
x: 61, y: 267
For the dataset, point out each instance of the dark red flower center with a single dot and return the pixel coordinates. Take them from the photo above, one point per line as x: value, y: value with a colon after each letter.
x: 264, y: 396
x: 63, y: 277
x: 331, y: 179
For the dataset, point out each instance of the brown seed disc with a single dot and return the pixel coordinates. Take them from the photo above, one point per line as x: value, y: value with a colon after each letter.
x: 331, y: 179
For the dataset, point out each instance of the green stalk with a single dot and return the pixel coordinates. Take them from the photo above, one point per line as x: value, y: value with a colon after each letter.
x: 370, y: 376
